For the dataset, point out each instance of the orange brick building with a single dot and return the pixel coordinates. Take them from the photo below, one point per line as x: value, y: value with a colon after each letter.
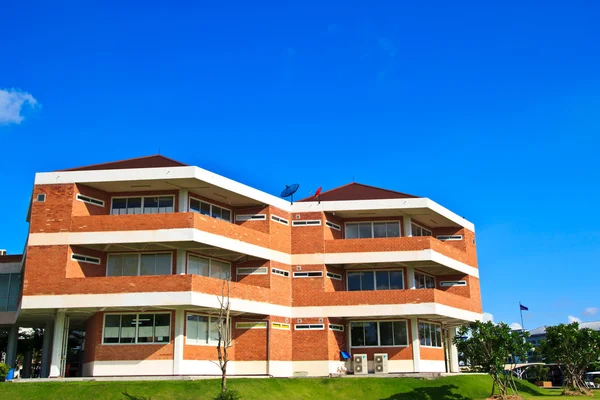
x: 133, y: 254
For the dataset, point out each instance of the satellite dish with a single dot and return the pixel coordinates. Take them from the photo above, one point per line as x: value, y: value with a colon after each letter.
x: 289, y: 191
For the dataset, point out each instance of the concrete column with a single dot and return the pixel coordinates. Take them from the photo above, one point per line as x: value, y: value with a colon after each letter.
x: 181, y: 262
x: 47, y: 349
x: 410, y: 276
x: 183, y: 200
x: 57, y: 344
x: 179, y: 341
x: 416, y: 344
x: 11, y: 350
x: 27, y: 361
x: 407, y: 226
x: 452, y: 351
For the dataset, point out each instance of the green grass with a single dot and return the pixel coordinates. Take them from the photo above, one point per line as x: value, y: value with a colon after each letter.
x: 464, y: 387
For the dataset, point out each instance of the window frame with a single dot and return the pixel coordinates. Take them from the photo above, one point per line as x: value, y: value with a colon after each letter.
x: 250, y: 217
x: 310, y: 327
x: 90, y: 259
x: 441, y: 346
x: 11, y: 276
x: 300, y: 274
x: 280, y: 272
x: 253, y: 272
x: 333, y: 225
x: 379, y: 334
x: 210, y: 318
x: 283, y: 326
x: 143, y: 197
x: 373, y: 228
x: 280, y: 220
x: 374, y: 271
x: 334, y: 275
x: 139, y: 265
x: 40, y: 198
x: 422, y: 228
x: 210, y: 259
x: 459, y: 283
x: 336, y: 327
x: 89, y: 200
x: 449, y: 238
x: 137, y: 314
x: 189, y: 202
x: 427, y: 275
x: 252, y: 325
x: 307, y: 222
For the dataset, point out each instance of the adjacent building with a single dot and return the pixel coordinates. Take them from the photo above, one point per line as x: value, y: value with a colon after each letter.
x: 134, y: 254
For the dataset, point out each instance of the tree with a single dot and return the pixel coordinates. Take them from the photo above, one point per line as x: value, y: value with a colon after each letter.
x: 489, y: 348
x: 224, y: 332
x: 573, y: 349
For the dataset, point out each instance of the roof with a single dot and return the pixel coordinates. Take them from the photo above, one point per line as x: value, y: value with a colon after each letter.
x: 155, y: 161
x: 11, y: 258
x: 358, y: 191
x: 595, y: 325
x: 538, y: 331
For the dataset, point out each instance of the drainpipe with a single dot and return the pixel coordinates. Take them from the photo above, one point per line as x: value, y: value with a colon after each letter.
x: 268, y: 348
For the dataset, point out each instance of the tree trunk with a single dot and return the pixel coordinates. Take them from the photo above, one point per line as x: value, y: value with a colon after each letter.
x: 224, y: 380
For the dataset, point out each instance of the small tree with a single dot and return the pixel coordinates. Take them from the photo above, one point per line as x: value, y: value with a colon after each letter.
x: 489, y: 348
x: 224, y: 332
x: 573, y: 349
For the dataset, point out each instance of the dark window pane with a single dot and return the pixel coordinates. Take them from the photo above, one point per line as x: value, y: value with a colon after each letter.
x: 353, y: 281
x: 216, y: 212
x: 393, y: 229
x: 205, y: 208
x: 194, y: 205
x: 383, y: 280
x: 226, y: 215
x: 112, y: 325
x: 134, y: 205
x: 163, y: 264
x: 351, y: 231
x: 119, y: 206
x: 148, y: 263
x: 379, y: 230
x: 165, y: 204
x: 145, y: 328
x: 370, y: 333
x: 368, y: 281
x: 130, y: 264
x: 357, y: 333
x: 128, y: 328
x: 364, y: 230
x: 396, y: 280
x: 151, y: 205
x: 400, y: 333
x: 386, y: 334
x: 162, y: 328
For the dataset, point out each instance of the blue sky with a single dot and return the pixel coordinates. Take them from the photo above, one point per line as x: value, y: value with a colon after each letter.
x: 492, y: 110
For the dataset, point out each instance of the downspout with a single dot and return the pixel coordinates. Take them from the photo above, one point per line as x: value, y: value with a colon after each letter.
x: 268, y: 348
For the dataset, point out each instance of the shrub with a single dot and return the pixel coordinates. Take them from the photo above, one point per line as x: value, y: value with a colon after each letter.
x: 3, y: 371
x: 229, y: 395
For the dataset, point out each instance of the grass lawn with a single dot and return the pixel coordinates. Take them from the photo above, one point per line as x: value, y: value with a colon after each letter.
x: 464, y: 387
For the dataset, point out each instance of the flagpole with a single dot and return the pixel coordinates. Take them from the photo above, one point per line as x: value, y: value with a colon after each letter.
x: 521, y: 310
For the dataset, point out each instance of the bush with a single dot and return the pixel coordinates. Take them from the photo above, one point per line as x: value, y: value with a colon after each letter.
x: 538, y: 372
x: 3, y: 371
x: 229, y: 395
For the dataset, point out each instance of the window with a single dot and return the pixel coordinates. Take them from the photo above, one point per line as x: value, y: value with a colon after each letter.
x: 209, y: 209
x: 136, y: 328
x: 85, y: 259
x: 379, y: 333
x: 253, y: 217
x: 279, y: 219
x: 201, y: 330
x: 375, y: 280
x: 10, y: 287
x: 445, y: 238
x: 315, y: 222
x: 336, y: 327
x: 308, y: 274
x: 252, y: 271
x: 368, y: 230
x: 281, y: 272
x: 424, y: 281
x: 333, y: 226
x: 41, y: 197
x: 280, y: 325
x: 418, y: 230
x: 309, y: 327
x: 430, y: 335
x: 208, y: 267
x: 335, y: 276
x: 453, y: 283
x: 142, y: 205
x: 251, y: 325
x: 89, y: 200
x: 139, y: 264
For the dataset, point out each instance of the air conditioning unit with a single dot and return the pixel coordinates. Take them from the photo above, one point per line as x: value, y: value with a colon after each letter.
x: 381, y: 363
x: 359, y: 364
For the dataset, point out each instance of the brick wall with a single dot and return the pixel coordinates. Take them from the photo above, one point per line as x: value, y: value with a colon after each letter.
x: 257, y: 225
x: 308, y: 239
x: 310, y: 345
x: 54, y: 214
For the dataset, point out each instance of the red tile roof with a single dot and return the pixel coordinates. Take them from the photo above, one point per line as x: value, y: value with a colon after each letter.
x: 155, y: 161
x: 358, y: 191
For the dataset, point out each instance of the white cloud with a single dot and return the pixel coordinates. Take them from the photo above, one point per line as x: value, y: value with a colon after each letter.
x: 590, y: 311
x: 11, y: 105
x: 573, y: 319
x: 514, y: 326
x: 487, y: 317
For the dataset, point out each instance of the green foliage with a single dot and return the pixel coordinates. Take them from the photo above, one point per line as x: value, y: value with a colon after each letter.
x: 3, y: 370
x: 538, y: 372
x: 488, y: 347
x: 229, y: 394
x: 574, y: 350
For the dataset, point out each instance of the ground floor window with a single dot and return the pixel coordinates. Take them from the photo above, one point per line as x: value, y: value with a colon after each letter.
x: 379, y: 333
x: 202, y: 330
x: 430, y: 335
x: 137, y: 328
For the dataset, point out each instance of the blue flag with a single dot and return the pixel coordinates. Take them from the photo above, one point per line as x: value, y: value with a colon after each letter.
x: 523, y: 308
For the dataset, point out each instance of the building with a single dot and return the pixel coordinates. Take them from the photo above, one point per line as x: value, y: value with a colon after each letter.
x: 133, y: 255
x: 538, y: 335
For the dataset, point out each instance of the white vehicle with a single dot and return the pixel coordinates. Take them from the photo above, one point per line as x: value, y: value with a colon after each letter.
x: 589, y: 379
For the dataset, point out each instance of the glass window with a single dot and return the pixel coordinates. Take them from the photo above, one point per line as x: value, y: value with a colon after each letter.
x: 423, y: 281
x: 151, y: 205
x: 367, y: 280
x: 119, y: 206
x: 165, y: 204
x: 145, y: 325
x: 134, y: 205
x: 370, y: 333
x: 219, y: 270
x: 130, y: 264
x: 393, y: 229
x: 4, y: 284
x: 379, y: 333
x: 163, y: 264
x: 226, y: 215
x: 357, y: 333
x: 375, y: 280
x: 351, y: 231
x: 430, y: 334
x: 162, y: 328
x: 400, y: 333
x: 201, y: 329
x: 353, y: 281
x: 128, y: 328
x: 210, y: 209
x: 379, y: 230
x: 112, y: 324
x: 386, y: 333
x: 139, y: 264
x: 364, y: 230
x: 115, y: 266
x: 148, y: 264
x: 396, y: 280
x: 198, y: 265
x: 204, y: 208
x: 418, y: 230
x: 383, y: 280
x: 137, y: 328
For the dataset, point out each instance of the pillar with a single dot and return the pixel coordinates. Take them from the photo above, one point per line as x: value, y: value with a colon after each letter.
x: 27, y: 363
x: 416, y: 344
x: 183, y: 200
x: 47, y: 349
x: 181, y: 262
x: 57, y: 345
x: 178, y: 342
x: 407, y: 226
x: 452, y: 351
x: 410, y: 277
x: 11, y: 350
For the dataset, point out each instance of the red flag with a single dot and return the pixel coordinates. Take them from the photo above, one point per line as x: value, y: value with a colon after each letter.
x: 318, y: 192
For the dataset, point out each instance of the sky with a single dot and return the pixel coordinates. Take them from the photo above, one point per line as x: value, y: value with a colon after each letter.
x: 491, y: 109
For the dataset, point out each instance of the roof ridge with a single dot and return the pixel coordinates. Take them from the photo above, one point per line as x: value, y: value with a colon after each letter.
x: 123, y: 160
x: 359, y: 184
